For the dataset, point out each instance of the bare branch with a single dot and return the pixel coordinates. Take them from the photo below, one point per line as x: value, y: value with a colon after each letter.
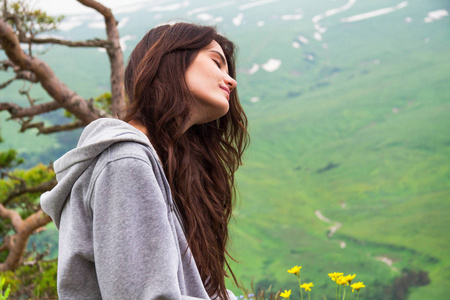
x: 19, y: 112
x: 35, y: 221
x: 6, y: 83
x: 59, y: 91
x: 26, y: 92
x: 5, y: 64
x: 38, y: 256
x: 89, y: 43
x: 21, y: 190
x: 12, y: 215
x: 17, y: 242
x: 115, y: 56
x: 47, y: 130
x: 26, y: 75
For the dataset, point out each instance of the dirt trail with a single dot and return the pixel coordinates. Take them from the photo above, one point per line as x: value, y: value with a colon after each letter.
x: 387, y: 261
x: 333, y: 228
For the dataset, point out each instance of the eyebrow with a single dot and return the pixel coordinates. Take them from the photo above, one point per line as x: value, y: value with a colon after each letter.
x: 224, y: 61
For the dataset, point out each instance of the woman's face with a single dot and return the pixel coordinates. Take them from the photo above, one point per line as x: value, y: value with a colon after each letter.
x: 208, y: 80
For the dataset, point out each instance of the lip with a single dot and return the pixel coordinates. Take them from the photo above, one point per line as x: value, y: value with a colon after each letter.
x: 226, y: 90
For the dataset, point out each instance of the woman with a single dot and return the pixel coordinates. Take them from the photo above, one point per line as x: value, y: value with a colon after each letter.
x: 142, y: 205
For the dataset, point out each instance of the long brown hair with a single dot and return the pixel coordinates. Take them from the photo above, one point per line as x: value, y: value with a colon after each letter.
x: 199, y: 163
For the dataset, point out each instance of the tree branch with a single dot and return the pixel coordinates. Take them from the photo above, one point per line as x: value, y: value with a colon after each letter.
x: 47, y: 130
x: 17, y: 243
x: 20, y: 190
x: 12, y: 215
x: 8, y: 82
x: 115, y: 56
x: 19, y: 112
x: 45, y: 75
x: 26, y: 75
x: 89, y: 43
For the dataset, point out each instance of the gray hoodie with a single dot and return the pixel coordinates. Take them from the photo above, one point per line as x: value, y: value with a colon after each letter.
x: 119, y: 231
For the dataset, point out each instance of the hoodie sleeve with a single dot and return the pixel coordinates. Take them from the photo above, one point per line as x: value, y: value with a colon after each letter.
x: 135, y: 252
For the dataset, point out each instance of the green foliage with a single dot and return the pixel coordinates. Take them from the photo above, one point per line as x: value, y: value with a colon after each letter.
x: 25, y: 204
x: 8, y: 158
x: 32, y: 21
x: 4, y: 294
x: 259, y: 293
x: 34, y: 280
x: 102, y: 102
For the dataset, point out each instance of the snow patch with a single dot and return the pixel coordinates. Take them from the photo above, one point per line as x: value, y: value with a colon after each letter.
x: 97, y: 25
x: 316, y: 19
x: 74, y: 21
x: 208, y: 8
x: 291, y: 17
x: 128, y: 8
x: 254, y: 99
x: 271, y: 65
x: 170, y: 7
x: 408, y: 20
x: 435, y: 15
x: 256, y: 3
x: 375, y: 13
x: 253, y: 70
x: 69, y: 25
x: 296, y: 45
x: 317, y: 36
x: 51, y: 36
x: 124, y: 39
x: 302, y: 39
x: 237, y: 21
x: 123, y: 22
x: 26, y: 47
x: 205, y: 17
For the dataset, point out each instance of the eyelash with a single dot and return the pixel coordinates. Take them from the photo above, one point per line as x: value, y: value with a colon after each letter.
x: 217, y: 63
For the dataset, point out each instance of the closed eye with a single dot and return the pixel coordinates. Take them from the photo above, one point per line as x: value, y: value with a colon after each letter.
x: 218, y: 63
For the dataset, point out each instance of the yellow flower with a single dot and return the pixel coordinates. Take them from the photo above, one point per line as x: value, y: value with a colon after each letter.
x: 295, y: 270
x: 307, y: 286
x: 350, y: 278
x: 335, y: 275
x: 286, y: 294
x: 342, y: 280
x: 357, y: 286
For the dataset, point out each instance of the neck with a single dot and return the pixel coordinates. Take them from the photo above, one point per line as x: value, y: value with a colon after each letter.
x: 139, y: 127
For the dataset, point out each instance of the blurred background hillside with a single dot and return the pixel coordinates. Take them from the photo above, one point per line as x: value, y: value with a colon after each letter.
x: 348, y: 104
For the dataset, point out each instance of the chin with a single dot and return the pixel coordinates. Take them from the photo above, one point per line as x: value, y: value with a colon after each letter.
x: 217, y: 114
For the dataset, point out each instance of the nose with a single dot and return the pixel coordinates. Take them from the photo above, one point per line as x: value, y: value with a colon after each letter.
x: 230, y: 82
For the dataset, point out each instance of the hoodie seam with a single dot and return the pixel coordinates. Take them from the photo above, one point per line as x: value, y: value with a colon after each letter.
x: 94, y: 180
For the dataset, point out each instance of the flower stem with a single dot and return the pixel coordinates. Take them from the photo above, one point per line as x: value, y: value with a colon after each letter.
x: 336, y: 291
x: 300, y: 284
x: 343, y: 296
x: 309, y: 295
x: 357, y: 297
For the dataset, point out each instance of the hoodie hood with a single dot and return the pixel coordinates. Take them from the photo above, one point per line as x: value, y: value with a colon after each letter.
x: 96, y: 137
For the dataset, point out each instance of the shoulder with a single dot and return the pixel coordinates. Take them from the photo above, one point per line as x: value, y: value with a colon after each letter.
x: 134, y: 156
